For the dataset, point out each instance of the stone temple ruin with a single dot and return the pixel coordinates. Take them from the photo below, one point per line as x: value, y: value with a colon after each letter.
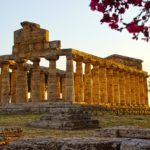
x: 112, y: 81
x: 115, y: 80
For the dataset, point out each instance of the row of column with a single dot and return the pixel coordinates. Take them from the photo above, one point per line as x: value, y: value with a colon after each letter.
x: 97, y: 85
x: 15, y: 89
x: 109, y: 85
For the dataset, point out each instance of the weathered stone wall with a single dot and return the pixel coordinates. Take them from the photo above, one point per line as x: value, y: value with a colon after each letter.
x: 91, y: 143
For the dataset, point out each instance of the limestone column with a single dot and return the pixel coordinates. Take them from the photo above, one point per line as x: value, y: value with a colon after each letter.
x: 133, y: 90
x: 42, y: 86
x: 35, y: 81
x: 69, y: 81
x: 145, y: 89
x: 21, y: 83
x: 79, y: 89
x: 142, y: 90
x: 122, y: 87
x: 116, y: 86
x: 110, y: 86
x: 5, y: 83
x: 96, y: 84
x: 63, y: 88
x: 13, y: 85
x: 103, y: 85
x: 127, y: 88
x: 137, y: 96
x: 88, y: 83
x: 52, y: 84
x: 58, y: 87
x: 0, y: 86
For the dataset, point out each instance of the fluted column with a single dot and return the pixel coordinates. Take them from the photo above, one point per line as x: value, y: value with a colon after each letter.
x: 110, y: 87
x: 79, y: 89
x: 145, y: 89
x: 13, y: 85
x: 52, y: 84
x: 0, y: 86
x: 137, y: 96
x: 141, y: 84
x: 58, y: 87
x: 133, y: 89
x: 63, y: 87
x: 5, y: 83
x: 21, y: 83
x: 69, y: 81
x: 88, y: 84
x: 116, y: 87
x: 103, y: 85
x: 42, y: 86
x: 96, y: 84
x: 127, y: 89
x: 122, y: 87
x: 35, y: 81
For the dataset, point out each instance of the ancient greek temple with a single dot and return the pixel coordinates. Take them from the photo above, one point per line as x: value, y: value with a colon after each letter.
x: 115, y: 80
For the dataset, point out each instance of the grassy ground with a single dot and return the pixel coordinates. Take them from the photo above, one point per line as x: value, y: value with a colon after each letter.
x: 106, y: 120
x: 109, y: 120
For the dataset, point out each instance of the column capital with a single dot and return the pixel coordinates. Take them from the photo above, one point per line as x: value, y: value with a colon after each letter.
x: 87, y: 61
x: 4, y: 62
x: 103, y: 64
x: 127, y: 71
x: 95, y: 63
x: 21, y: 60
x: 144, y: 74
x: 52, y: 57
x: 121, y: 70
x: 78, y: 58
x: 110, y: 71
x: 13, y: 67
x: 69, y: 57
x: 35, y: 60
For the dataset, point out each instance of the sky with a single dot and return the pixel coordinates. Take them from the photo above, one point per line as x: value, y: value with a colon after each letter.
x: 72, y: 22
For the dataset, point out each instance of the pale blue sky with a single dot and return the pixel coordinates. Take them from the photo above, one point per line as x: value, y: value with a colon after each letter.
x: 72, y: 22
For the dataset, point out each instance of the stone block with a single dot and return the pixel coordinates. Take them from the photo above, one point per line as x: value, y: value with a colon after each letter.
x: 135, y: 144
x: 38, y: 46
x: 124, y: 132
x: 55, y: 44
x: 31, y: 33
x: 66, y: 117
x: 46, y: 45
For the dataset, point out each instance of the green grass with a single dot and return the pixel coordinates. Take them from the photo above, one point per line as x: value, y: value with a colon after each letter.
x: 22, y: 120
x: 106, y: 120
x: 109, y: 120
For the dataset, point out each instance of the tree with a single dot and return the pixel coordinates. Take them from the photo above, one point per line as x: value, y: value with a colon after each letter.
x: 113, y: 12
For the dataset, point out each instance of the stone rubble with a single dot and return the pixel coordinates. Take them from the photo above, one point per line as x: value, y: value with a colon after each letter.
x: 8, y: 133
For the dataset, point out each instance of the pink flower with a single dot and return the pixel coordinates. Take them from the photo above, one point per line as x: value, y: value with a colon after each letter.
x: 134, y: 28
x: 106, y: 18
x: 113, y: 25
x: 147, y: 5
x: 100, y: 8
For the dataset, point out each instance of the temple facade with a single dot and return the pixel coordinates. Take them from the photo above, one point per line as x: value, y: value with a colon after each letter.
x: 115, y: 80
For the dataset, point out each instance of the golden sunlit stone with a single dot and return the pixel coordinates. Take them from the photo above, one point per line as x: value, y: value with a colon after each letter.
x: 112, y: 81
